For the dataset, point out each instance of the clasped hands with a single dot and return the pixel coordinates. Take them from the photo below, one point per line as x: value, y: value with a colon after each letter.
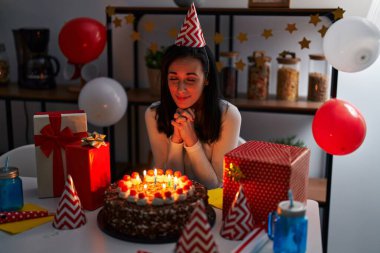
x: 183, y: 123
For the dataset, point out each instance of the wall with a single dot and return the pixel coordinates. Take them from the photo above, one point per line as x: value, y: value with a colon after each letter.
x: 355, y: 192
x: 354, y: 226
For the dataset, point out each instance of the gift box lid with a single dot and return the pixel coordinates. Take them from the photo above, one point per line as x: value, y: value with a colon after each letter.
x: 261, y: 151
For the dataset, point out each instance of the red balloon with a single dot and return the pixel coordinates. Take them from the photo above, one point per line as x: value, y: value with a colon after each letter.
x: 338, y: 127
x: 82, y: 40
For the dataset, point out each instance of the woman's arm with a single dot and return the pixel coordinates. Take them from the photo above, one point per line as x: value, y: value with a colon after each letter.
x: 210, y: 173
x: 166, y: 154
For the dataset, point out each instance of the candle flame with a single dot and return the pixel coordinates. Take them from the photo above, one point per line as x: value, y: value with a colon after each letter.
x: 164, y: 186
x: 145, y: 186
x: 155, y: 171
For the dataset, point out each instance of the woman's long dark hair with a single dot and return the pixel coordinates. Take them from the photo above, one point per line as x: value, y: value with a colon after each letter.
x: 208, y: 123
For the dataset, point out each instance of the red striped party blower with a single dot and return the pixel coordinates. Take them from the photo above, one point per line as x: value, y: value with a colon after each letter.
x: 7, y: 217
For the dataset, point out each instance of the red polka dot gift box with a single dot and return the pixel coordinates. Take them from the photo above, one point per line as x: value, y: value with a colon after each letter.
x: 266, y: 171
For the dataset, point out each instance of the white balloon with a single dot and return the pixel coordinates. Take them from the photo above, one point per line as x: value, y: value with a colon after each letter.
x: 104, y: 100
x: 352, y: 44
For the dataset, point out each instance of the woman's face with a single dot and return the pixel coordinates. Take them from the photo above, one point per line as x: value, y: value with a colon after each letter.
x: 186, y: 81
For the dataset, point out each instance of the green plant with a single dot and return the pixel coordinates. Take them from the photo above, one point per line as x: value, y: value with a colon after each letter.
x: 153, y: 59
x: 291, y: 141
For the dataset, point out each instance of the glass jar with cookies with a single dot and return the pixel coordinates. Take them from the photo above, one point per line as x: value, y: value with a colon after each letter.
x: 288, y: 73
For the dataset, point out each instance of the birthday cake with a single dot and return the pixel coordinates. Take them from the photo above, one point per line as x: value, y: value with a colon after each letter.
x: 152, y: 208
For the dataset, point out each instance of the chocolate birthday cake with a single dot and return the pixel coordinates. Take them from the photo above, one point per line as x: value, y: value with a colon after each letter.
x: 153, y: 208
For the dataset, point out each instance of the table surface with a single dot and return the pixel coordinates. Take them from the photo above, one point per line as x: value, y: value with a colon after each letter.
x: 89, y: 238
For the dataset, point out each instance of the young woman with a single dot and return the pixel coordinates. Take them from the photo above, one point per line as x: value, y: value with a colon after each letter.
x: 191, y: 128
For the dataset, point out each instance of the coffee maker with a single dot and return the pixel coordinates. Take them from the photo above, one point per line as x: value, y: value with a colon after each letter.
x: 36, y: 68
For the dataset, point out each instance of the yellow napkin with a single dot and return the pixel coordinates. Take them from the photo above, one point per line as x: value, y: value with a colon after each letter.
x: 21, y: 226
x: 215, y: 197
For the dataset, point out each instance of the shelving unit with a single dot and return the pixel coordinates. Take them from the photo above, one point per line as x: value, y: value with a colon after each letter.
x: 301, y: 107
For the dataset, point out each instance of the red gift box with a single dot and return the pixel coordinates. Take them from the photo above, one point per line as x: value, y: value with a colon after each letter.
x: 269, y: 170
x: 53, y: 131
x: 90, y: 169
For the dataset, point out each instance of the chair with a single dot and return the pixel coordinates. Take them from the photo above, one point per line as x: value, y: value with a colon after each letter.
x: 241, y: 141
x: 23, y: 158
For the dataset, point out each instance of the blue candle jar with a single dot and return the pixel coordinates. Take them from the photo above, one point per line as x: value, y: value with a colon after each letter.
x: 11, y: 196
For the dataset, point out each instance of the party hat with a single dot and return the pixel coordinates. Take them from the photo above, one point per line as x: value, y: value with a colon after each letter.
x: 191, y: 34
x: 197, y: 236
x: 239, y: 220
x: 69, y: 214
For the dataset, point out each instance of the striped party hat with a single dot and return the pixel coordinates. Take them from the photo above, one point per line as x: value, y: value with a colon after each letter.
x: 191, y: 34
x: 69, y: 214
x: 239, y: 220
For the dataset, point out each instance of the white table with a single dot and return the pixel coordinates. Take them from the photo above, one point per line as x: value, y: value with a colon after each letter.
x: 89, y: 238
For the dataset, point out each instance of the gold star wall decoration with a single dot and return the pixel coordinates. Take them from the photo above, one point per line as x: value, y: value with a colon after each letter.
x: 173, y: 33
x: 240, y: 65
x: 338, y: 13
x: 135, y: 36
x: 267, y: 33
x: 149, y: 26
x: 304, y: 43
x: 314, y: 19
x: 153, y: 47
x: 130, y: 18
x: 323, y: 31
x: 242, y: 37
x: 117, y: 22
x: 218, y: 38
x: 291, y: 28
x: 110, y: 11
x: 219, y: 66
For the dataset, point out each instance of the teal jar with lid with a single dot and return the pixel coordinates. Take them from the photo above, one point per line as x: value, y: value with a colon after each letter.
x: 11, y: 195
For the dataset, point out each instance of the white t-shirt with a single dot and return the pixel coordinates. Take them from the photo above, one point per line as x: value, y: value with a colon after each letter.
x: 202, y: 162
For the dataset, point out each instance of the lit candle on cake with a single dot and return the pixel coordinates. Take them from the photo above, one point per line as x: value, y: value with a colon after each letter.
x: 169, y: 180
x: 155, y: 176
x: 138, y: 179
x: 175, y: 182
x: 144, y: 172
x: 145, y: 187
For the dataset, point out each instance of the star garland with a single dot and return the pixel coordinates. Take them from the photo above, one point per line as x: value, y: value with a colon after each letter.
x: 149, y: 26
x: 130, y: 19
x: 304, y: 43
x: 240, y: 65
x: 117, y: 22
x: 219, y: 66
x: 314, y: 19
x: 242, y: 37
x: 291, y: 28
x: 323, y: 31
x: 219, y: 38
x: 173, y: 32
x: 135, y: 36
x: 267, y: 33
x: 153, y: 47
x: 338, y: 13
